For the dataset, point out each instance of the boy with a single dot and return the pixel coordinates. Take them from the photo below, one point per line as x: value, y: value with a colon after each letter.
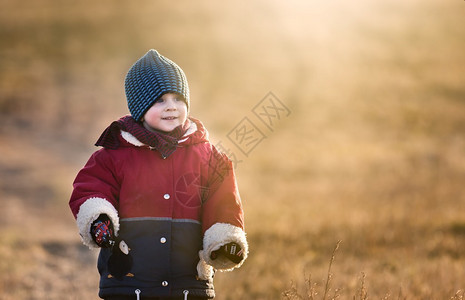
x: 158, y: 199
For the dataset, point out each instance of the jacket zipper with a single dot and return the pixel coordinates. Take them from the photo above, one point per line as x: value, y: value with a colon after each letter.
x: 185, y: 292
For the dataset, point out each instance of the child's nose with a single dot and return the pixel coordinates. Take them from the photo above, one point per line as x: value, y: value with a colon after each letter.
x: 170, y: 105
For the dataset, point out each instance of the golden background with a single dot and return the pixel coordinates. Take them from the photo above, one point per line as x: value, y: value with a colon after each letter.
x: 371, y: 153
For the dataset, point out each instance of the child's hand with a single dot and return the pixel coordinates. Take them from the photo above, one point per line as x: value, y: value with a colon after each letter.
x: 101, y: 231
x: 231, y: 250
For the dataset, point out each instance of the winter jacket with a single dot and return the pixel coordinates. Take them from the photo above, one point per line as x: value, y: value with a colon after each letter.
x: 170, y: 212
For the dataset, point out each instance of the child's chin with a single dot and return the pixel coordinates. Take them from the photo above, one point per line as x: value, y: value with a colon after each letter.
x: 168, y: 128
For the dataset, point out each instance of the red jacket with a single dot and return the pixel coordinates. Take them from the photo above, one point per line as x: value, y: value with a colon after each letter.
x: 172, y: 213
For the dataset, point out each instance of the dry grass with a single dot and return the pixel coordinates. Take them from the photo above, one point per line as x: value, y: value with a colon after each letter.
x: 372, y: 153
x: 314, y: 290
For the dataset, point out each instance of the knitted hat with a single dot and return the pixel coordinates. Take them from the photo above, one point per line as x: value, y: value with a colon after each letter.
x: 149, y: 78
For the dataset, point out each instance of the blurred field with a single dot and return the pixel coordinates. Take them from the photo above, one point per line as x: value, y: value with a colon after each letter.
x: 372, y: 153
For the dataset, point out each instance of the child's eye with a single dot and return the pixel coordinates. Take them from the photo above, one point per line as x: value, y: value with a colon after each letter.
x: 159, y: 100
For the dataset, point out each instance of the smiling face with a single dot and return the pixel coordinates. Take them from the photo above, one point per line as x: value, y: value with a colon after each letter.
x: 167, y: 113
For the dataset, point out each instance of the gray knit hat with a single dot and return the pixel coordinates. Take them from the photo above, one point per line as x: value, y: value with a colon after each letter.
x: 149, y: 78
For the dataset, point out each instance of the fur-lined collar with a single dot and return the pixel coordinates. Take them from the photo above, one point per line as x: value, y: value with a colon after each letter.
x: 195, y: 133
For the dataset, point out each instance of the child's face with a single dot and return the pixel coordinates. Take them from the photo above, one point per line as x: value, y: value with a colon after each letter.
x: 167, y: 113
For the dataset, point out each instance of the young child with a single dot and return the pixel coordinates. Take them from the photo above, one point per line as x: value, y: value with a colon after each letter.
x: 159, y: 199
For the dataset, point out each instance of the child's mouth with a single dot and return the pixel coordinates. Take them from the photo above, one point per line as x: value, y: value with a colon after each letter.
x: 169, y: 118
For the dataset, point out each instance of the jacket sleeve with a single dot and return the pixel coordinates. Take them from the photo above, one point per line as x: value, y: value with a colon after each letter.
x: 95, y: 192
x: 222, y: 216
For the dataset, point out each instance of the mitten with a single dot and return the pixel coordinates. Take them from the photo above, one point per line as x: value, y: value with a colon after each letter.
x: 101, y: 231
x: 232, y: 251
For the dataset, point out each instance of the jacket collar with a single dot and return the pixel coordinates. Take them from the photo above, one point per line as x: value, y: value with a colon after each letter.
x: 196, y: 133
